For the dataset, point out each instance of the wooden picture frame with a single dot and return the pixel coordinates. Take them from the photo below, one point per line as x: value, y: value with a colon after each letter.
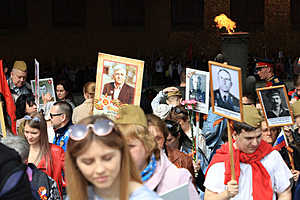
x: 106, y: 100
x: 226, y: 97
x: 269, y: 98
x: 197, y: 88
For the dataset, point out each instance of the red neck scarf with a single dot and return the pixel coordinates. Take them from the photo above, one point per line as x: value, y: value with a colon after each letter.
x: 261, y: 180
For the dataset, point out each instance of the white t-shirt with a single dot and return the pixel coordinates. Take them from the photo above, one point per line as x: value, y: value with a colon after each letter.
x: 273, y: 163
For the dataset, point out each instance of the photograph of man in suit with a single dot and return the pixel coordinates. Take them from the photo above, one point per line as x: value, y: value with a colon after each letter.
x: 195, y: 89
x: 118, y: 89
x: 223, y: 97
x: 276, y: 109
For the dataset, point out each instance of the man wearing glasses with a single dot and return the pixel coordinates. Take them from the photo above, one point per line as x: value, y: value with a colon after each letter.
x: 61, y: 115
x: 265, y: 72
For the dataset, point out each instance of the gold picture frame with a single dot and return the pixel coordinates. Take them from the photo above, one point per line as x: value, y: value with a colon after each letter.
x: 230, y: 106
x: 108, y: 96
x: 285, y: 116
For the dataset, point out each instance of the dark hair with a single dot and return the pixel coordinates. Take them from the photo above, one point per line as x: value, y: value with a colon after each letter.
x: 21, y: 104
x: 297, y: 81
x: 220, y: 58
x: 173, y: 127
x: 183, y: 76
x: 67, y: 86
x: 271, y: 93
x: 239, y: 126
x: 64, y: 107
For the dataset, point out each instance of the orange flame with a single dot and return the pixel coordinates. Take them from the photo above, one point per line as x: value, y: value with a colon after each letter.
x: 223, y: 21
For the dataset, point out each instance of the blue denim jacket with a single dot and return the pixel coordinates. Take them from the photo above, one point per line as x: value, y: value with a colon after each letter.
x: 213, y: 134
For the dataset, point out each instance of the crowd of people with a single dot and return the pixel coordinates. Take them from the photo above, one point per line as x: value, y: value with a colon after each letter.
x: 62, y: 151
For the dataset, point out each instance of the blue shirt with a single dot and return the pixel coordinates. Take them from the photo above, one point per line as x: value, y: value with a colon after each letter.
x: 62, y: 136
x: 141, y: 193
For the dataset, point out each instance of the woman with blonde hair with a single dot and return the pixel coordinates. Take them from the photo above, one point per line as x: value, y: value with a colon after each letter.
x: 157, y: 172
x: 86, y: 108
x: 98, y: 163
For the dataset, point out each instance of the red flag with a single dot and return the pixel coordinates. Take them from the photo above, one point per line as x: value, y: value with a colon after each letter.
x: 10, y: 104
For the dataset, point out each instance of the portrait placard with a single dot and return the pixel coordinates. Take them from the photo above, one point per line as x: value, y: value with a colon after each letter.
x: 275, y: 105
x: 118, y: 82
x: 226, y: 90
x: 46, y: 85
x: 197, y: 88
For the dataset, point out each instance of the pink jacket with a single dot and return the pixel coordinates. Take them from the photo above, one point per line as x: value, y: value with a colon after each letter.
x: 167, y: 176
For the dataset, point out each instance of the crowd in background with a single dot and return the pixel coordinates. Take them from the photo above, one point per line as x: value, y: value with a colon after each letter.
x: 149, y: 149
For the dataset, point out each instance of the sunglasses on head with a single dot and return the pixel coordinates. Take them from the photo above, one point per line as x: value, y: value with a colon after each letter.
x: 178, y: 110
x: 34, y: 119
x: 100, y: 127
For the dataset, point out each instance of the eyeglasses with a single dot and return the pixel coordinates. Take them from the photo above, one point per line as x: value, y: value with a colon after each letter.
x: 53, y: 115
x: 35, y: 119
x: 100, y: 127
x: 178, y: 110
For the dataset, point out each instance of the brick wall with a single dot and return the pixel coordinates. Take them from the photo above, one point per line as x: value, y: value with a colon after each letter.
x: 80, y: 45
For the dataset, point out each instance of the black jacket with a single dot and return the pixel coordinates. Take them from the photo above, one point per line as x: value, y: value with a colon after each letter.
x: 14, y: 183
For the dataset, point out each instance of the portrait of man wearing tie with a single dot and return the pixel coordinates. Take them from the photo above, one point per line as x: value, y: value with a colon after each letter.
x: 118, y: 89
x: 222, y: 96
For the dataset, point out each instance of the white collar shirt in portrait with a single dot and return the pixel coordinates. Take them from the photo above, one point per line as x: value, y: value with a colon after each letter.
x: 117, y: 91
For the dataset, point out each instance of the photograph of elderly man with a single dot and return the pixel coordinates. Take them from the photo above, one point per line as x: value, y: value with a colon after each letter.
x: 223, y: 97
x: 118, y: 89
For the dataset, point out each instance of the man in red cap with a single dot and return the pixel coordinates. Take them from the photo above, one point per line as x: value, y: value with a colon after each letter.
x: 265, y: 72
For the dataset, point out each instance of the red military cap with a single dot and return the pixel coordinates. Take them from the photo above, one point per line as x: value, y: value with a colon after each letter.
x: 263, y: 64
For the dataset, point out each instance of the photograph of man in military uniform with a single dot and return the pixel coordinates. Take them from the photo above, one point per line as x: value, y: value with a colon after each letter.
x: 222, y: 96
x: 197, y: 89
x: 274, y: 103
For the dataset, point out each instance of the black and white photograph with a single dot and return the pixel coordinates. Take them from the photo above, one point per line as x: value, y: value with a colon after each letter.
x: 275, y: 105
x: 197, y: 88
x: 226, y: 90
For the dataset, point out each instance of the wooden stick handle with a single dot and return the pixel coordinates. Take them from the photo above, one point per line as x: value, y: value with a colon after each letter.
x: 3, y: 128
x: 291, y: 160
x: 230, y: 151
x: 289, y: 153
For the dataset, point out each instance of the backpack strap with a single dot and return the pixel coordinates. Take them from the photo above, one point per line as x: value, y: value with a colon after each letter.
x: 11, y: 180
